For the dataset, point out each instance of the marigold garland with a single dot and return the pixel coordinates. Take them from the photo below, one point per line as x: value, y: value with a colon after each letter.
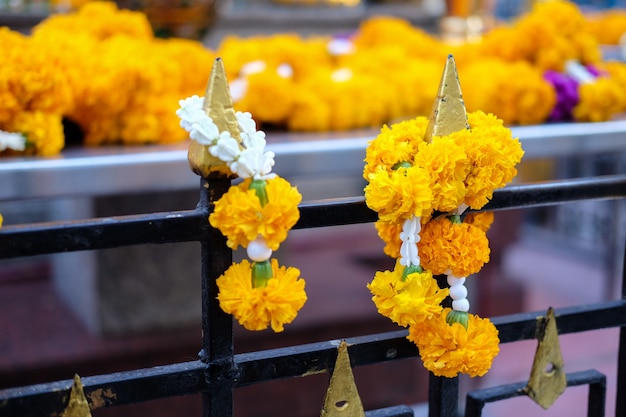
x: 421, y: 184
x: 256, y: 213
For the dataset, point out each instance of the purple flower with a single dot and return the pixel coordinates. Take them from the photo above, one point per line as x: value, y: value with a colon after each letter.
x: 566, y: 95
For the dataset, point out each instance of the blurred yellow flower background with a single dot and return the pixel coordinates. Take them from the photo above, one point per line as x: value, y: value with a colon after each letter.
x: 103, y: 69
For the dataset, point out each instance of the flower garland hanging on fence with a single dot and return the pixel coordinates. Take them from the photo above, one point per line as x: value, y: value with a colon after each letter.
x: 256, y: 214
x: 422, y: 176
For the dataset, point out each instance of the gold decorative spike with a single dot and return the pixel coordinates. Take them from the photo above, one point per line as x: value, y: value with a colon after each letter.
x: 218, y: 104
x: 448, y: 114
x: 77, y: 406
x: 342, y: 397
x: 547, y: 378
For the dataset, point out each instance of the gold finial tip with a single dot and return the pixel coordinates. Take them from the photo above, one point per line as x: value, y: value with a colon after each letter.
x: 218, y: 104
x: 449, y: 114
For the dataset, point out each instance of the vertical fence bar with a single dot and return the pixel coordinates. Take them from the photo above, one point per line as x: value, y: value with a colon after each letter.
x: 217, y: 326
x: 620, y: 406
x: 443, y: 396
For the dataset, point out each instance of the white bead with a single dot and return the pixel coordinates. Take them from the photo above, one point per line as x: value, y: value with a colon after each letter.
x: 258, y: 250
x: 461, y: 305
x: 458, y: 292
x: 452, y: 280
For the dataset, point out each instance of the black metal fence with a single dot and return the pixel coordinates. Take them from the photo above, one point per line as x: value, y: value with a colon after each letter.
x: 219, y: 371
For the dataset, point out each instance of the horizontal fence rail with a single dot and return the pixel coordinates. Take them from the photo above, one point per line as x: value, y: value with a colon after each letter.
x: 290, y: 362
x: 219, y: 371
x: 192, y: 225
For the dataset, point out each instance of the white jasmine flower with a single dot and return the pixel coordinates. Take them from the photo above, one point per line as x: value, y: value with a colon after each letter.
x: 253, y: 163
x: 341, y: 75
x: 340, y: 46
x: 250, y: 137
x: 579, y: 72
x: 205, y: 132
x: 10, y: 140
x: 410, y: 235
x: 190, y: 111
x: 253, y: 67
x: 284, y: 70
x: 238, y: 89
x: 226, y: 149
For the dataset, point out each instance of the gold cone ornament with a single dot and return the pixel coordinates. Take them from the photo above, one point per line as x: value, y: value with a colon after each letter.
x: 448, y: 114
x: 218, y: 104
x: 77, y: 405
x: 342, y: 397
x: 547, y: 378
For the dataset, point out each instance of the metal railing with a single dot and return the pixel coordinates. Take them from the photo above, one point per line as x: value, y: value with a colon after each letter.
x: 219, y: 371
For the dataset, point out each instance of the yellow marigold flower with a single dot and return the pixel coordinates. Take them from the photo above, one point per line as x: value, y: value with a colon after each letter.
x: 616, y: 70
x: 359, y: 101
x: 399, y: 194
x: 607, y: 26
x: 274, y: 305
x: 268, y: 87
x: 493, y: 156
x: 448, y: 166
x: 483, y: 220
x: 386, y: 30
x: 102, y: 19
x: 309, y: 112
x: 152, y: 121
x: 406, y: 302
x: 448, y: 350
x: 43, y: 131
x: 239, y: 215
x: 390, y: 234
x: 302, y: 55
x: 515, y: 91
x: 599, y: 101
x: 393, y: 145
x: 458, y: 248
x: 502, y: 42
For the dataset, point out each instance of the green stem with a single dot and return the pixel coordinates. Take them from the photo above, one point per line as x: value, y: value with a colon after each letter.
x: 261, y: 273
x: 403, y: 164
x: 261, y: 191
x: 461, y: 317
x: 455, y: 219
x: 411, y: 270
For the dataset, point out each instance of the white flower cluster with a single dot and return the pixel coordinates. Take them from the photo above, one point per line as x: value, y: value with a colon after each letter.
x: 248, y: 160
x: 410, y: 235
x: 458, y: 293
x: 9, y: 140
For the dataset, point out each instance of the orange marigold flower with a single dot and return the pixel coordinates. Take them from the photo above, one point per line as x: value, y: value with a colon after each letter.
x: 448, y: 350
x: 458, y: 248
x: 483, y: 220
x: 274, y: 305
x: 239, y: 215
x: 406, y: 302
x: 390, y: 234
